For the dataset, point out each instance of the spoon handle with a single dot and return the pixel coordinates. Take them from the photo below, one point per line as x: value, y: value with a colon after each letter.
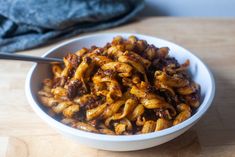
x: 8, y: 56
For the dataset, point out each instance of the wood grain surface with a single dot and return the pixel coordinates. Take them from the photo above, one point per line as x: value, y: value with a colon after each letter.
x: 24, y: 134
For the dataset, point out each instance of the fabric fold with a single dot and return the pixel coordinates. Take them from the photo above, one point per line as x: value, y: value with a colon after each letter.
x: 26, y: 24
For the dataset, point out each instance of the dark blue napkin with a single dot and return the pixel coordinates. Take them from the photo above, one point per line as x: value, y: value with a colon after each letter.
x: 26, y: 24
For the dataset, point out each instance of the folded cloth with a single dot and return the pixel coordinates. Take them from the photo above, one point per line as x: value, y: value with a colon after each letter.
x: 26, y: 24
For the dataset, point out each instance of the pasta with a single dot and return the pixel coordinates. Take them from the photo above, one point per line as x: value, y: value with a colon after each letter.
x: 126, y: 87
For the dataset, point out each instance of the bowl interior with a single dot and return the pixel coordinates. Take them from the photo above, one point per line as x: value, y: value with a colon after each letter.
x: 198, y: 70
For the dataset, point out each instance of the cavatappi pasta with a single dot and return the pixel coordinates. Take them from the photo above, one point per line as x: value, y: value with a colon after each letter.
x: 126, y: 87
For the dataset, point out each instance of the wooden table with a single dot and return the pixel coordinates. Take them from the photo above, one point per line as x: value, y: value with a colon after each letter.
x: 24, y: 134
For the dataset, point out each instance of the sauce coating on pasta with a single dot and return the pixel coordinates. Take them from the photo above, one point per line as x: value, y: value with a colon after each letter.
x: 126, y: 87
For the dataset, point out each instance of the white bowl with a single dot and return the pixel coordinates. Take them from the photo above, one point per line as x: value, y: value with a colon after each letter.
x: 200, y: 73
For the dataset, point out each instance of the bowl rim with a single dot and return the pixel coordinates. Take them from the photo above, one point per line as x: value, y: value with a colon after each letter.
x: 118, y: 138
